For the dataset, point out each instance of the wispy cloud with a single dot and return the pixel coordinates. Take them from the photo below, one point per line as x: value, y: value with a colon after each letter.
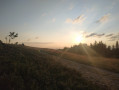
x: 100, y: 35
x: 114, y: 37
x: 95, y: 34
x: 77, y: 20
x: 109, y: 35
x: 104, y: 18
x: 90, y: 35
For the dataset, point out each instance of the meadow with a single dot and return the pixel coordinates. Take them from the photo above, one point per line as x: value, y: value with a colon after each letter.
x: 110, y: 64
x: 25, y: 68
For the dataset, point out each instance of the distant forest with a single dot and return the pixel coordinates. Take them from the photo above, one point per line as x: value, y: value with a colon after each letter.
x: 95, y: 49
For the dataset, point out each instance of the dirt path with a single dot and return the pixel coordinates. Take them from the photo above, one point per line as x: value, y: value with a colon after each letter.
x: 96, y: 75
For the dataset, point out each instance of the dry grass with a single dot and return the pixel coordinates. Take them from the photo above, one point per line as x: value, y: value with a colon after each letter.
x: 25, y: 68
x: 110, y: 64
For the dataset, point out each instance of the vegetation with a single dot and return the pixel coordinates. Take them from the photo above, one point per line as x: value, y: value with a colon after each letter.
x: 11, y: 35
x: 96, y: 49
x: 111, y: 64
x: 25, y: 68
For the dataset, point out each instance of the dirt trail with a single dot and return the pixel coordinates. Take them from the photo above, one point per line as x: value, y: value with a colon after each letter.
x: 96, y: 75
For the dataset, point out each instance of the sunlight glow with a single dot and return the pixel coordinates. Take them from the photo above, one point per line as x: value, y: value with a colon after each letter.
x: 78, y: 39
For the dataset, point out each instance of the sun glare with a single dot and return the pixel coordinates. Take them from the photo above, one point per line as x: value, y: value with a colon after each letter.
x: 79, y: 38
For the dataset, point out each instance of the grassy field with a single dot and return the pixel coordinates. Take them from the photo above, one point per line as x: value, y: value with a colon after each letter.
x: 25, y: 68
x: 110, y: 64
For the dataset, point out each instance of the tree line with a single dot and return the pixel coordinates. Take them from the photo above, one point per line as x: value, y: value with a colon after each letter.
x: 108, y: 51
x: 95, y: 49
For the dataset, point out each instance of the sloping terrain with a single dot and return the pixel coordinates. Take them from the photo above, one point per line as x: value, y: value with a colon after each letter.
x: 24, y: 68
x: 104, y: 78
x: 99, y: 73
x: 110, y: 64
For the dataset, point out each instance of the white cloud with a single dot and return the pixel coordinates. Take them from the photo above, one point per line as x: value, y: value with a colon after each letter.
x: 80, y: 19
x: 104, y: 18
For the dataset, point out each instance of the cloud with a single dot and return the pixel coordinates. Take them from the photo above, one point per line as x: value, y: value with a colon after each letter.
x: 104, y: 18
x: 109, y: 35
x: 77, y: 20
x: 95, y: 34
x: 99, y: 35
x: 90, y: 35
x: 113, y: 38
x: 53, y: 20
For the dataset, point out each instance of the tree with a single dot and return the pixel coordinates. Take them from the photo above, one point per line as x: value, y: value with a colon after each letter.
x: 95, y: 43
x: 109, y: 48
x: 1, y: 44
x: 12, y: 35
x: 6, y: 39
x: 117, y: 45
x: 91, y: 45
x: 113, y: 47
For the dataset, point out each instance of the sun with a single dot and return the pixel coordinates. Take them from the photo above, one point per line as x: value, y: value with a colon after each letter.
x: 78, y: 38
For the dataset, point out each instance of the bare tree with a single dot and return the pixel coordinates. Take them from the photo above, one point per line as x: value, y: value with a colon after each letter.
x: 12, y: 35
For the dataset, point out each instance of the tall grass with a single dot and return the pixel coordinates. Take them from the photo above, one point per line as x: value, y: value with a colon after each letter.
x: 110, y: 64
x: 24, y: 68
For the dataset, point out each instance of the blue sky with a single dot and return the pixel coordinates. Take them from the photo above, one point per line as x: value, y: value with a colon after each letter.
x: 60, y: 22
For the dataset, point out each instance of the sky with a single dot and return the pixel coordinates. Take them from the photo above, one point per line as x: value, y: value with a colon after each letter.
x: 60, y: 23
